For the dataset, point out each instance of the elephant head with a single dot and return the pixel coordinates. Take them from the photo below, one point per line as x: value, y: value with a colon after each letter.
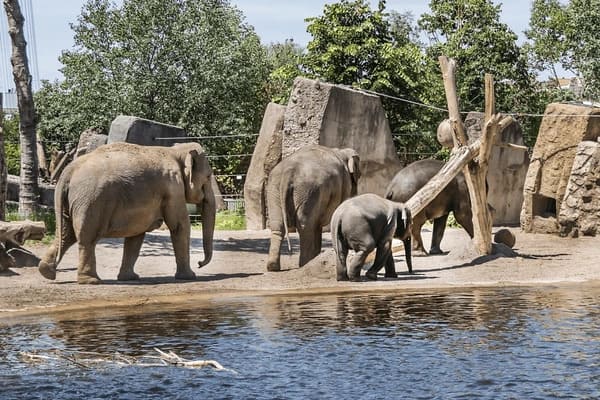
x: 198, y: 190
x: 403, y: 229
x: 352, y: 161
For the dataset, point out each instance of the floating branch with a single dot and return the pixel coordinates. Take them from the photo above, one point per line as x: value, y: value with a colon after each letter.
x: 88, y: 360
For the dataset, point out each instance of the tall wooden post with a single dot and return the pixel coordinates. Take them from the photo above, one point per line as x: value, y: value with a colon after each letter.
x: 475, y: 172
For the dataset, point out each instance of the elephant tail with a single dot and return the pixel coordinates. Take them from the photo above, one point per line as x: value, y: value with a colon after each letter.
x: 286, y: 195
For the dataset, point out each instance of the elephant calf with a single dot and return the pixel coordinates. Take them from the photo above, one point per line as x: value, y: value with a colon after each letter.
x: 365, y: 223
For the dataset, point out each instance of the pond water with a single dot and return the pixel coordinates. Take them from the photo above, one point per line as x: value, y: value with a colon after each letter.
x: 533, y: 343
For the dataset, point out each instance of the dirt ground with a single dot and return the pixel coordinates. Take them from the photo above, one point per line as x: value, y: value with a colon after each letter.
x: 238, y: 269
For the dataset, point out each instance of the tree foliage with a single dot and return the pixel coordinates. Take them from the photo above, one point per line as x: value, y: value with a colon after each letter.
x: 371, y: 49
x: 566, y: 35
x: 285, y: 62
x: 192, y: 63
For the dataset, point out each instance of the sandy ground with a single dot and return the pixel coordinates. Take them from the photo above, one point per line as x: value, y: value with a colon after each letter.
x: 238, y: 269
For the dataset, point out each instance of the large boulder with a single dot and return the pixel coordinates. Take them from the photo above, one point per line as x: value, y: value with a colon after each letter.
x: 142, y: 131
x: 562, y: 128
x: 580, y: 208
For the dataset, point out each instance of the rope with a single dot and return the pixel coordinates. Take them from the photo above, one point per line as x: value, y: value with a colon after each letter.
x: 514, y: 114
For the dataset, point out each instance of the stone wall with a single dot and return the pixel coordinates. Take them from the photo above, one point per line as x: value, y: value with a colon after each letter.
x: 580, y: 208
x: 337, y: 116
x: 563, y: 127
x: 329, y: 115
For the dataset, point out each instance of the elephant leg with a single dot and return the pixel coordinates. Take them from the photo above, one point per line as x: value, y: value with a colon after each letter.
x: 310, y: 243
x: 273, y: 263
x: 382, y: 257
x: 342, y: 255
x: 86, y: 270
x: 49, y: 262
x: 439, y: 226
x: 131, y: 250
x: 180, y: 237
x: 356, y: 264
x: 416, y: 234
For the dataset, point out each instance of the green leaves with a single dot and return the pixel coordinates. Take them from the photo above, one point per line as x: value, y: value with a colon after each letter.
x: 192, y: 63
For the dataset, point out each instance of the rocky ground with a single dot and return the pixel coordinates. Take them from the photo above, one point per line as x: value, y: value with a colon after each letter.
x: 238, y: 268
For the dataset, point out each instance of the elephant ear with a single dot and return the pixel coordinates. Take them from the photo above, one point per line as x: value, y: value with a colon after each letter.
x: 189, y: 169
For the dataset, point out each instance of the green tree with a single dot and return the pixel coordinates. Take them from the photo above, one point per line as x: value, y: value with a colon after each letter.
x: 371, y: 49
x: 192, y: 63
x: 547, y: 46
x: 470, y: 32
x: 584, y: 43
x: 285, y: 61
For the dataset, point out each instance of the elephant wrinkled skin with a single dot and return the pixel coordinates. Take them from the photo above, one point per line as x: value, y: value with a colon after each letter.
x: 303, y: 191
x: 365, y: 223
x: 125, y: 190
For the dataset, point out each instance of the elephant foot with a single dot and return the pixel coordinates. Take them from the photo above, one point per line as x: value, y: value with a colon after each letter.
x: 393, y: 275
x: 419, y: 253
x: 342, y: 278
x: 186, y: 275
x: 435, y: 251
x: 354, y: 278
x: 372, y: 276
x: 88, y: 279
x: 48, y: 271
x: 273, y: 266
x: 128, y: 276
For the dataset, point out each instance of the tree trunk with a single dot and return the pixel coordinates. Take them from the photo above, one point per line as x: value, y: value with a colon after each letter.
x: 28, y: 197
x: 3, y: 169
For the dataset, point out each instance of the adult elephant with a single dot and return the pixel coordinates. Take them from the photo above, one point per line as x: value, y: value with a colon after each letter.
x: 125, y: 190
x: 454, y: 198
x: 303, y: 191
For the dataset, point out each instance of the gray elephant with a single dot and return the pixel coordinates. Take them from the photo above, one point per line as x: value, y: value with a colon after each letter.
x: 365, y: 223
x: 125, y: 190
x: 454, y: 198
x: 303, y: 191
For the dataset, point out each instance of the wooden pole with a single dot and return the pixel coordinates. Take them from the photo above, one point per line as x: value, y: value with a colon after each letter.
x: 475, y: 173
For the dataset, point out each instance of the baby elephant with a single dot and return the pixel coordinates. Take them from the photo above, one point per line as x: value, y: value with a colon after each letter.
x: 364, y: 223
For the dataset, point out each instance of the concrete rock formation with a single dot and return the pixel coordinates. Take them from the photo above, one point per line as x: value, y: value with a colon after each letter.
x: 267, y: 153
x: 329, y: 115
x: 337, y: 116
x: 580, y: 209
x: 563, y: 127
x: 507, y: 167
x: 142, y: 131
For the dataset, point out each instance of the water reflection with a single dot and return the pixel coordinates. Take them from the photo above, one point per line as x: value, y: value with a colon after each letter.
x: 455, y: 343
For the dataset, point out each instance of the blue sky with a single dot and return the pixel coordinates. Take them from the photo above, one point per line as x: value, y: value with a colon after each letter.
x: 273, y: 20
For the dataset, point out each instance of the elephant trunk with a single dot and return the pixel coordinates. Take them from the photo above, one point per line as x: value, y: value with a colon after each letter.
x: 208, y: 207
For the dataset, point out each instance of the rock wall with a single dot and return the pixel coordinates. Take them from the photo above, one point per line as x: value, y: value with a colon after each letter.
x: 563, y: 127
x: 507, y: 170
x: 329, y: 115
x: 336, y: 116
x: 266, y: 155
x: 580, y: 208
